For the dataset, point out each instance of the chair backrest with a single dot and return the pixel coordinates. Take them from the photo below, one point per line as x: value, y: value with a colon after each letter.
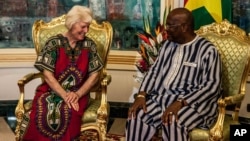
x: 234, y: 47
x: 101, y: 34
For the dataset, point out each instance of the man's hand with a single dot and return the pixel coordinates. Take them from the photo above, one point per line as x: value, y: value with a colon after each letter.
x: 140, y: 102
x: 171, y: 112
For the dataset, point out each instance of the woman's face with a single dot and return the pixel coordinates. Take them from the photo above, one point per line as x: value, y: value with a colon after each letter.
x: 79, y: 30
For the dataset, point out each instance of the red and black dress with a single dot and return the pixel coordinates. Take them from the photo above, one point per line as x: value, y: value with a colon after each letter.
x: 50, y: 118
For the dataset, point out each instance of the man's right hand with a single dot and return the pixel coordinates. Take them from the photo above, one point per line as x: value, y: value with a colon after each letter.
x: 140, y: 102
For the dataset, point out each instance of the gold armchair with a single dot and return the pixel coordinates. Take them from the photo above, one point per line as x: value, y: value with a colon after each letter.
x: 97, y: 113
x: 234, y: 48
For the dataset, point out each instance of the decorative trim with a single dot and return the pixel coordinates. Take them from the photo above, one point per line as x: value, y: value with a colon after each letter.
x: 17, y: 55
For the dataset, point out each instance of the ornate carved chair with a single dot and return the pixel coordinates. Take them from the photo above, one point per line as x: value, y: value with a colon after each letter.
x: 97, y: 113
x: 234, y: 48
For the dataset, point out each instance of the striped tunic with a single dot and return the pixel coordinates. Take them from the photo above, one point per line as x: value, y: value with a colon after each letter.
x: 191, y: 71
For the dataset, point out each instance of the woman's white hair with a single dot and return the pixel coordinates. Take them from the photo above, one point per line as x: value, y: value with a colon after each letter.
x: 78, y: 14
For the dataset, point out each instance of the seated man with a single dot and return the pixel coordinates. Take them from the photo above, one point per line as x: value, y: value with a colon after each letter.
x: 181, y: 89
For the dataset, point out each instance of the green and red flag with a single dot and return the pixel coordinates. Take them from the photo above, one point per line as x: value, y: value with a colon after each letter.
x: 208, y: 11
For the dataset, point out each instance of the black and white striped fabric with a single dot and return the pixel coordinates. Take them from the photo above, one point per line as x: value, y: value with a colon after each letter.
x: 191, y: 71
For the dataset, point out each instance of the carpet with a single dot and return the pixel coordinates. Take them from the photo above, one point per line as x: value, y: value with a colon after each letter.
x: 115, y: 133
x: 92, y: 135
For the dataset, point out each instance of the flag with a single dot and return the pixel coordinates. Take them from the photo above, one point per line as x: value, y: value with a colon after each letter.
x: 208, y: 11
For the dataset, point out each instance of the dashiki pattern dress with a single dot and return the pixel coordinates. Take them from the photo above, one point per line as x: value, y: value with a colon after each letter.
x: 50, y: 118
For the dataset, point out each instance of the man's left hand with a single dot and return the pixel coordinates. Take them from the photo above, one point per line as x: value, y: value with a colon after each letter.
x: 171, y: 113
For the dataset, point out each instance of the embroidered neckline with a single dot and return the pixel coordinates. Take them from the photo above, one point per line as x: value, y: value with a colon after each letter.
x: 190, y: 42
x: 73, y: 53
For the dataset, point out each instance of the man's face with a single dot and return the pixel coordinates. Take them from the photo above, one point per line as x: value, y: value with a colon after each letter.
x: 174, y: 28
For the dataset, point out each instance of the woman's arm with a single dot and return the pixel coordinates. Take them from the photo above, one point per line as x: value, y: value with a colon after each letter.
x: 89, y: 83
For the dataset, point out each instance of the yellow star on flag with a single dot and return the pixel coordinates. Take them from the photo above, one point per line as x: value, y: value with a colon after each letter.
x: 212, y: 6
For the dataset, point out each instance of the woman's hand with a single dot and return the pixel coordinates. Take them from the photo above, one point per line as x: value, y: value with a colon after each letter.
x: 72, y: 100
x: 75, y: 106
x: 72, y: 97
x: 140, y: 102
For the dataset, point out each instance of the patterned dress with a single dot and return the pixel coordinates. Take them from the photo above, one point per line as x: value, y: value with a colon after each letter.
x: 50, y: 118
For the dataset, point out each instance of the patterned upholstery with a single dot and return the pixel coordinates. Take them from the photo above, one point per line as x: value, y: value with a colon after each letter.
x: 97, y: 113
x: 234, y: 48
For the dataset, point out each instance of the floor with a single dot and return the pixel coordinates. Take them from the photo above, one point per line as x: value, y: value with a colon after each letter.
x: 116, y: 125
x: 6, y: 131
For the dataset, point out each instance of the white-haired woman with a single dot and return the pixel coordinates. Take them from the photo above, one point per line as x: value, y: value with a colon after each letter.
x: 70, y: 64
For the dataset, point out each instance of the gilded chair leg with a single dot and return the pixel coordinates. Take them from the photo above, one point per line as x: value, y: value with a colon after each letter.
x: 19, y: 118
x: 19, y: 112
x: 103, y: 130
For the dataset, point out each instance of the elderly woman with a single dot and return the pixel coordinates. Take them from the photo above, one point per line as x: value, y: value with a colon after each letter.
x: 70, y: 64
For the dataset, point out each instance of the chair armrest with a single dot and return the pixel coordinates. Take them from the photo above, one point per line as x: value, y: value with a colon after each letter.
x: 234, y: 99
x: 216, y: 132
x: 27, y: 78
x: 106, y: 80
x: 21, y: 83
x: 19, y: 111
x: 102, y: 112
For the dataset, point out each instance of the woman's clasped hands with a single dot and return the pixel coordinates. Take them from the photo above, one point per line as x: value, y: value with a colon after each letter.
x: 72, y: 100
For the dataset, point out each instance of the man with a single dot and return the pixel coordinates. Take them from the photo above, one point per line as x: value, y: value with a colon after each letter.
x: 181, y: 89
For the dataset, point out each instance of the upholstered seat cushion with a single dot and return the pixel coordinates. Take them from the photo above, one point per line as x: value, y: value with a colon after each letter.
x: 203, y: 135
x: 90, y: 114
